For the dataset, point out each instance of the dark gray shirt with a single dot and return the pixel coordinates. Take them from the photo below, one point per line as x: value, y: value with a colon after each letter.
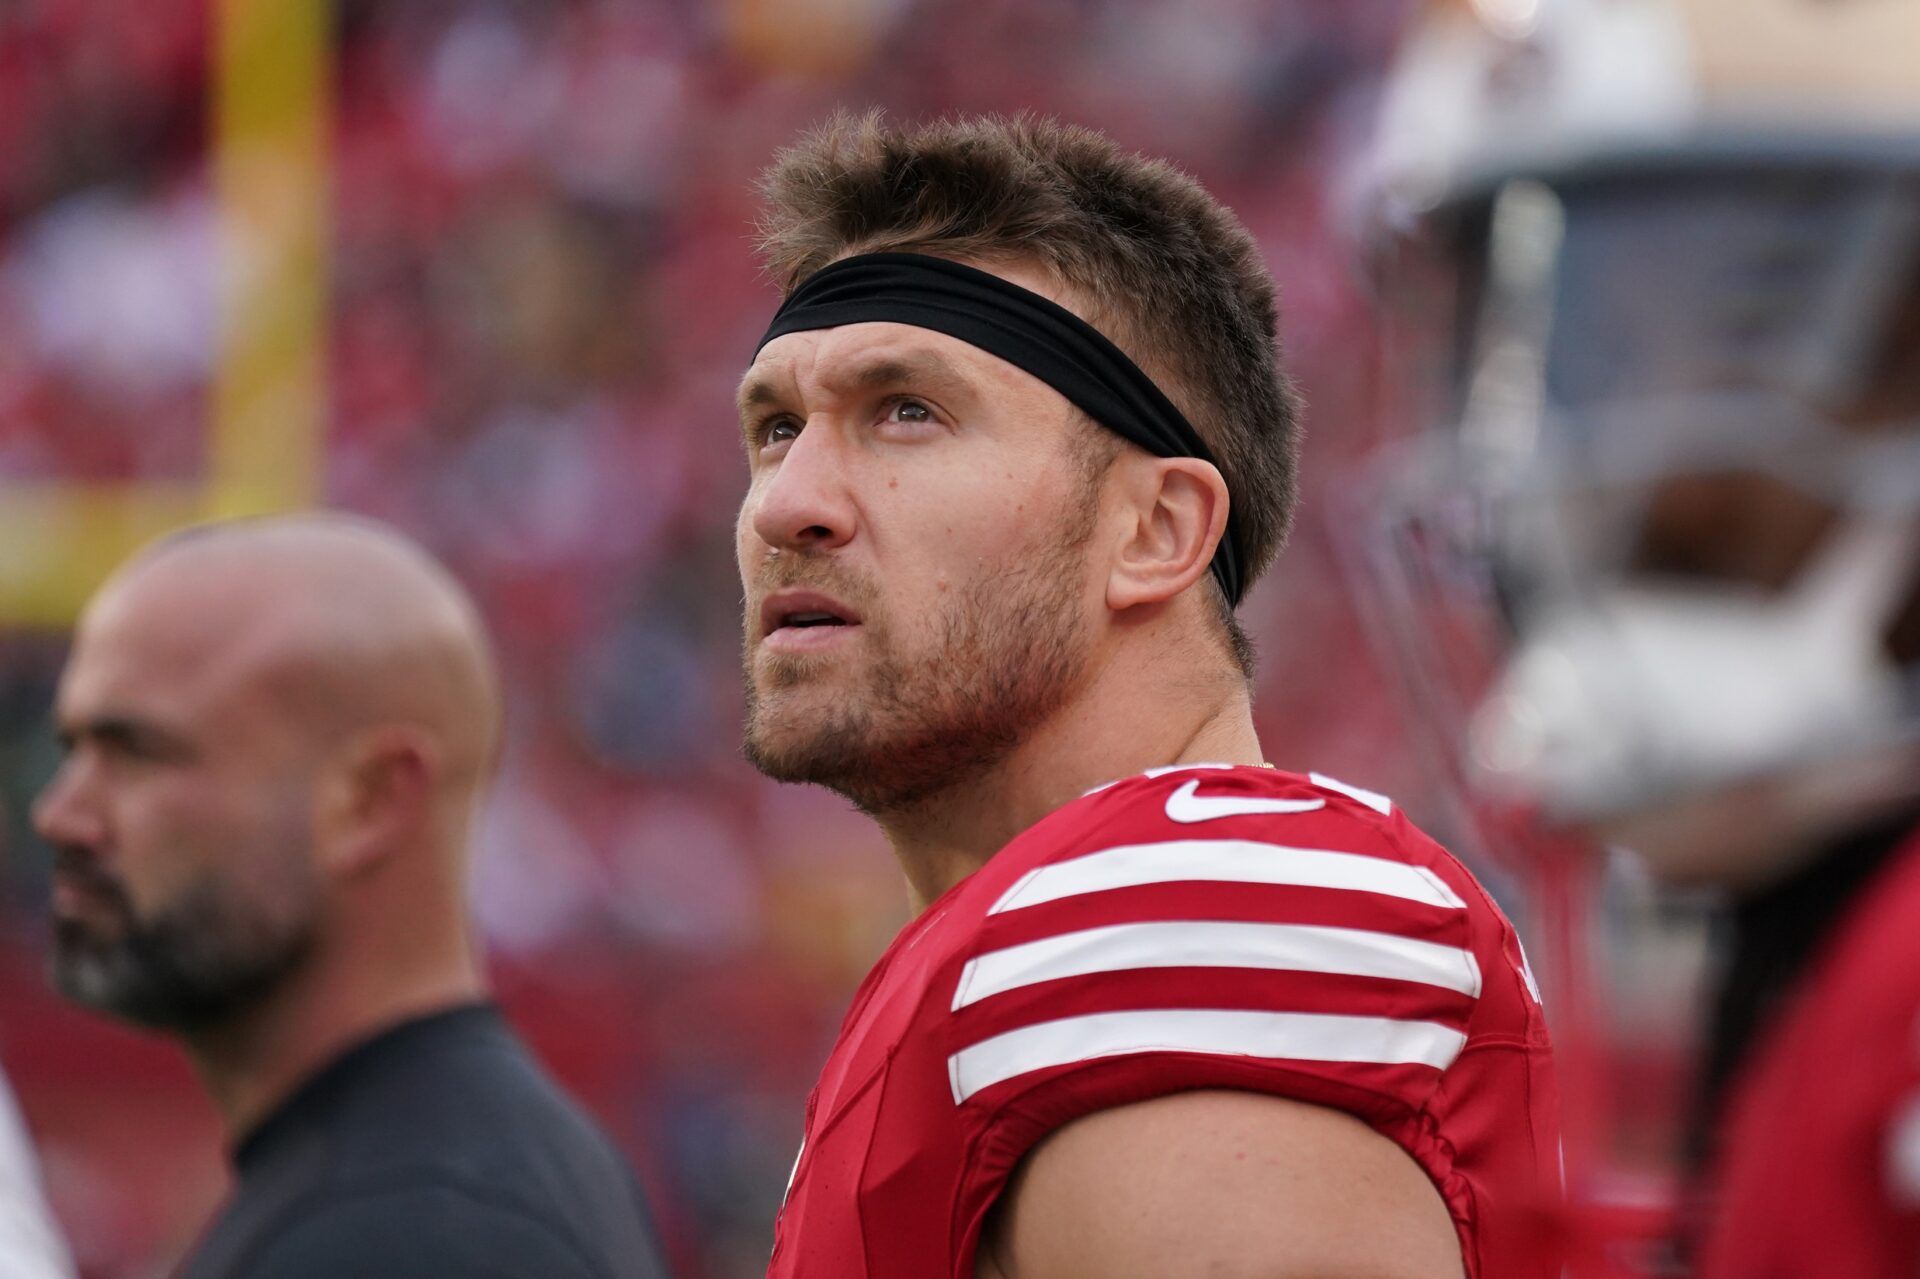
x: 437, y: 1150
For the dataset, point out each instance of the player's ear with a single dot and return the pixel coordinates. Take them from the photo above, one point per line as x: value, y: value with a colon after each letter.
x: 1179, y: 505
x: 374, y: 797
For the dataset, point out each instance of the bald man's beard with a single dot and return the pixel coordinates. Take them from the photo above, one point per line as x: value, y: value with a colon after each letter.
x: 203, y: 960
x: 1012, y: 648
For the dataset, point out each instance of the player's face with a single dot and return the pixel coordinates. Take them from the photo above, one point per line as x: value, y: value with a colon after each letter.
x: 913, y: 548
x: 180, y: 822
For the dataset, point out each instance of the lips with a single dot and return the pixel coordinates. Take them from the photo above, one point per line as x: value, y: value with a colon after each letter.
x: 803, y: 610
x: 87, y: 893
x: 795, y: 621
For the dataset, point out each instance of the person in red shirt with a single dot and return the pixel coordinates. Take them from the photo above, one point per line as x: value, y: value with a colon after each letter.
x: 1017, y: 443
x: 1654, y: 555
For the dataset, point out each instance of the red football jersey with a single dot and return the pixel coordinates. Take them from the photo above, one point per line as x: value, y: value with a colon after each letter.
x: 1820, y: 1175
x: 1207, y: 927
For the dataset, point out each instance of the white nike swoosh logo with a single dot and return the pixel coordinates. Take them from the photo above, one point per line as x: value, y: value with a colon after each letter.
x: 1185, y: 805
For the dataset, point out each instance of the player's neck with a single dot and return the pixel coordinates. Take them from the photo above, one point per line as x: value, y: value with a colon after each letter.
x: 345, y: 994
x: 1115, y: 729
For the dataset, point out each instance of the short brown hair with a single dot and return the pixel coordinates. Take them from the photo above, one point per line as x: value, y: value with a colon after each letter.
x: 1169, y: 274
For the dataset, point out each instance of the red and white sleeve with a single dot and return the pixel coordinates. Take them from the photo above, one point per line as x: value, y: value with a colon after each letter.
x: 1300, y: 954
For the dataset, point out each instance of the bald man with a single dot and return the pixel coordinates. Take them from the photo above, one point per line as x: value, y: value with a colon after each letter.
x: 277, y: 732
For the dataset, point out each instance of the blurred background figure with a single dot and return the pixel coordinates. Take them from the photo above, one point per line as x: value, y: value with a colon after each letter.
x: 532, y: 223
x: 30, y: 1244
x: 1651, y: 555
x: 276, y: 733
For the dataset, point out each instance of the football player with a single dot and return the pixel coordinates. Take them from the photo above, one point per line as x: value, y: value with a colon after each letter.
x: 1018, y: 443
x: 1676, y: 468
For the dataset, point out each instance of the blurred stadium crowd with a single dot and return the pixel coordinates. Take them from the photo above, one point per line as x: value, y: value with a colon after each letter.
x: 543, y: 292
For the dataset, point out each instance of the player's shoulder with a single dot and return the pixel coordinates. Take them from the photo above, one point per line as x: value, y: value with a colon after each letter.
x: 1172, y: 825
x: 1869, y: 978
x: 1290, y: 930
x: 1892, y: 902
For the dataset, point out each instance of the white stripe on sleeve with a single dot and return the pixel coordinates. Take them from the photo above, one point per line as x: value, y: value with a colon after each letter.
x: 1209, y: 944
x: 1371, y: 798
x: 1235, y: 861
x: 1221, y: 1032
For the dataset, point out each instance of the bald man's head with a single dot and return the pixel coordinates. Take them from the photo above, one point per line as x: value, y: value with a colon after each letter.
x: 340, y: 619
x: 270, y: 724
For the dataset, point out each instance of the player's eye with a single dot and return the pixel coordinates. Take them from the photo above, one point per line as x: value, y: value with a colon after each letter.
x: 905, y: 410
x: 776, y: 430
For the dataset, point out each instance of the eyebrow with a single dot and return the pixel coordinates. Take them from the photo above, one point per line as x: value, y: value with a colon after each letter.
x: 126, y: 732
x: 755, y: 393
x: 921, y: 368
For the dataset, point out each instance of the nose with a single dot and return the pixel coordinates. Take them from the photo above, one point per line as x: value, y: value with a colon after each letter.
x: 805, y: 501
x: 62, y: 813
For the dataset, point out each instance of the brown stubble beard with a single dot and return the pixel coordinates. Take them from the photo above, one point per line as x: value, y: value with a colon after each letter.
x: 1010, y: 652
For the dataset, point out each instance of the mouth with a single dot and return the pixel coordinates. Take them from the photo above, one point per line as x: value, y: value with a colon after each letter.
x: 77, y: 897
x: 797, y: 621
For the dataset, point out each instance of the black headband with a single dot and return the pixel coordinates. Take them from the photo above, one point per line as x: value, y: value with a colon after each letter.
x: 1022, y: 328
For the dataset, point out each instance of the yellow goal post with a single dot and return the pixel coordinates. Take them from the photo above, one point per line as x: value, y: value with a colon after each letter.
x: 267, y: 407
